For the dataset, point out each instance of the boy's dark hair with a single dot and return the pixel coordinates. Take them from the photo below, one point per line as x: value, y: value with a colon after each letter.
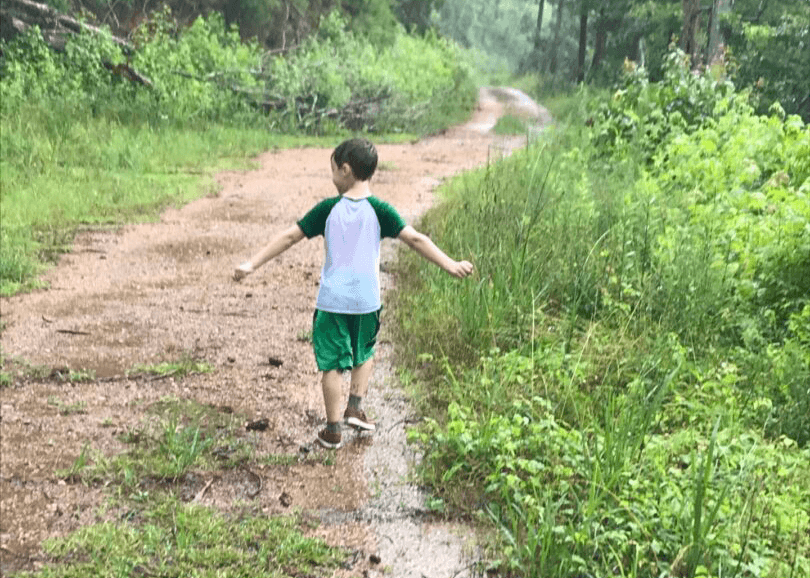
x: 361, y: 156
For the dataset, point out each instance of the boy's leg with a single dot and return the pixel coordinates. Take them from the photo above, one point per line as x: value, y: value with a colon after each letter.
x: 330, y: 341
x: 360, y: 378
x: 354, y: 415
x: 331, y: 383
x: 364, y: 336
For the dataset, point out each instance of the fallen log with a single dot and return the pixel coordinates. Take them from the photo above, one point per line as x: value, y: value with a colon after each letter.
x: 17, y: 16
x: 55, y: 26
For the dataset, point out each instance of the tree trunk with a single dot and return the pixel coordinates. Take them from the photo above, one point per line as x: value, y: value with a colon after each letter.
x: 54, y: 25
x: 691, y: 26
x: 552, y: 67
x: 583, y: 42
x: 538, y: 32
x: 716, y: 40
x: 601, y: 40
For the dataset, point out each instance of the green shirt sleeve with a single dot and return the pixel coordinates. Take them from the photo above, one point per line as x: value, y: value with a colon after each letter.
x: 314, y: 222
x: 391, y: 223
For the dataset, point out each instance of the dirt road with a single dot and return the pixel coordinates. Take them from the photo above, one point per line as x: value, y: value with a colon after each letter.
x: 150, y: 293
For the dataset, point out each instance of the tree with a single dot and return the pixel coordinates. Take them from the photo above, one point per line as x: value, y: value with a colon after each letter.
x: 538, y: 32
x: 583, y: 40
x: 691, y: 28
x: 552, y: 66
x: 415, y: 15
x: 601, y: 39
x: 719, y: 9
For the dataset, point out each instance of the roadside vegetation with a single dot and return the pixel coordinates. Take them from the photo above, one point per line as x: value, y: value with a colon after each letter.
x: 151, y: 523
x: 623, y: 388
x: 86, y: 148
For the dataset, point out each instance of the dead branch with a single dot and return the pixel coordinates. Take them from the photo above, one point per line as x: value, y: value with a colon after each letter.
x: 23, y: 14
x: 201, y: 493
x: 17, y: 16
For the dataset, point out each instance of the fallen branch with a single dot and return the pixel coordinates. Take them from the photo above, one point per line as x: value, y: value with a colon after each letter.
x: 20, y: 15
x: 200, y: 494
x: 24, y: 13
x: 127, y: 72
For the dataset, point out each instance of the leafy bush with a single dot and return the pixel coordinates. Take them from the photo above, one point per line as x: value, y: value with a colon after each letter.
x: 642, y: 277
x: 644, y: 114
x: 204, y: 72
x: 396, y: 86
x: 571, y: 502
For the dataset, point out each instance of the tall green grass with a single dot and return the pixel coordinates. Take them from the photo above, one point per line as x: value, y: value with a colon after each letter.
x: 64, y: 168
x: 606, y: 389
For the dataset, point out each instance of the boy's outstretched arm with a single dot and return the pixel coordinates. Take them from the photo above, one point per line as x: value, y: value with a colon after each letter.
x: 274, y: 248
x: 422, y: 244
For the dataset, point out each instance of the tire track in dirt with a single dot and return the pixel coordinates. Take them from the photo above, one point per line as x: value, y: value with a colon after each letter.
x: 153, y: 292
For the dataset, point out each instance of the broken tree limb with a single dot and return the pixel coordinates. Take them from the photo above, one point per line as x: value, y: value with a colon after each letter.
x: 73, y: 332
x: 22, y: 14
x: 127, y: 72
x: 17, y: 16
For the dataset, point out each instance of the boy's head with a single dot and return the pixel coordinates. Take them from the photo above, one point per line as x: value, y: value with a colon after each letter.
x: 359, y: 154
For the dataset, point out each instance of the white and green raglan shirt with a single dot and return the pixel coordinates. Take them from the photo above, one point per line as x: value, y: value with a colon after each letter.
x: 352, y: 231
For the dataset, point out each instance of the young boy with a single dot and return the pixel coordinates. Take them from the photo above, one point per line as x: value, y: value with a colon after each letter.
x: 347, y: 312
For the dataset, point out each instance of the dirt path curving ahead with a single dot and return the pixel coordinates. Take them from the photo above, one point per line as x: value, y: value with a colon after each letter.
x: 150, y: 293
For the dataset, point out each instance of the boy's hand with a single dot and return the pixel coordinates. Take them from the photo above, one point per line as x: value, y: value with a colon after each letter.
x: 461, y: 269
x: 242, y: 271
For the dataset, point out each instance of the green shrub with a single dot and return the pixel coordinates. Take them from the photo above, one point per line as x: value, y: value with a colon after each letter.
x: 642, y: 290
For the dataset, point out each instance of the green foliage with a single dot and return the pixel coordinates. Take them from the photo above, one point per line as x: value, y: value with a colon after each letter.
x: 372, y: 19
x: 769, y: 46
x: 79, y: 407
x: 597, y: 501
x: 645, y: 114
x: 642, y: 288
x: 173, y: 539
x: 187, y: 364
x: 510, y: 125
x: 196, y: 73
x: 416, y: 15
x: 181, y: 435
x: 401, y: 85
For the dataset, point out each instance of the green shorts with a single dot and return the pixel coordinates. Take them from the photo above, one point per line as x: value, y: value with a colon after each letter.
x: 342, y: 341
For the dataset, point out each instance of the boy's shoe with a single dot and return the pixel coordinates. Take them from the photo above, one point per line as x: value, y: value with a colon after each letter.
x: 330, y: 439
x: 357, y: 419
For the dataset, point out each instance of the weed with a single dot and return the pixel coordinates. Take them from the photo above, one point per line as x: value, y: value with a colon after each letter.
x: 387, y: 166
x: 180, y: 435
x: 183, y: 540
x: 509, y: 124
x: 280, y: 459
x: 79, y: 407
x: 618, y: 307
x: 73, y: 376
x: 187, y: 364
